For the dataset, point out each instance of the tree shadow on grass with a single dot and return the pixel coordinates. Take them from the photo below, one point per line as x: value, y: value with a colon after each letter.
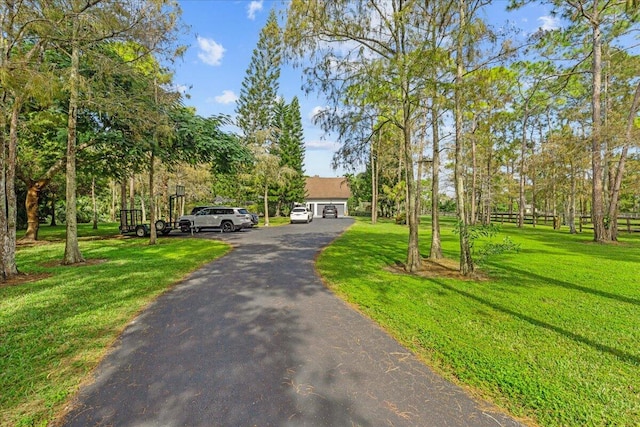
x: 524, y: 276
x: 581, y: 244
x: 620, y: 354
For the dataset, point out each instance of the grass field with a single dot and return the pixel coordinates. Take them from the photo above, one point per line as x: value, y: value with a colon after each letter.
x: 54, y: 330
x: 552, y: 336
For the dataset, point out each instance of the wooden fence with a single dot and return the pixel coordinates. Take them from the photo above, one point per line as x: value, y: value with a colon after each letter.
x: 538, y: 219
x: 628, y: 223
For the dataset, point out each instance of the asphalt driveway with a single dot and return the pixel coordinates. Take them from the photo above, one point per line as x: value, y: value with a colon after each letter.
x: 255, y: 339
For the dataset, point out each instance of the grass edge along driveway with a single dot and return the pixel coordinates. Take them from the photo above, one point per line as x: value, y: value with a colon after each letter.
x: 551, y: 336
x: 55, y: 330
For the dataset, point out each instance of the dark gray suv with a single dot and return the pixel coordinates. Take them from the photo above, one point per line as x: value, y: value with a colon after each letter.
x: 329, y: 211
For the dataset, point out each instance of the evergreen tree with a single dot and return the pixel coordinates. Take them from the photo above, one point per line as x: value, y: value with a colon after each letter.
x: 256, y: 109
x: 291, y: 152
x: 258, y: 94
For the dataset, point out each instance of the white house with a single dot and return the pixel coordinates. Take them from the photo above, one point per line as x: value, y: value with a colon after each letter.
x: 327, y: 191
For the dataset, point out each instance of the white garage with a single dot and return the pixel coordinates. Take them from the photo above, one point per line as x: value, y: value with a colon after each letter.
x: 327, y: 191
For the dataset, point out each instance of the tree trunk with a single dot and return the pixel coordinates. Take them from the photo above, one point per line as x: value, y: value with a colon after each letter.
x: 112, y: 207
x: 466, y: 261
x: 32, y: 200
x: 374, y: 180
x: 53, y: 209
x: 436, y: 245
x: 34, y: 189
x: 534, y: 219
x: 619, y: 172
x: 600, y: 231
x: 132, y: 192
x: 413, y: 250
x: 397, y: 200
x: 419, y: 173
x: 72, y: 253
x: 94, y: 203
x: 143, y: 205
x: 572, y: 202
x: 523, y: 153
x: 143, y: 208
x: 474, y: 181
x: 8, y: 203
x: 164, y: 209
x: 123, y: 195
x: 266, y: 205
x: 153, y: 234
x: 488, y: 193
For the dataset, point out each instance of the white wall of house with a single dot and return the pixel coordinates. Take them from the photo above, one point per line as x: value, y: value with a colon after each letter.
x: 316, y: 205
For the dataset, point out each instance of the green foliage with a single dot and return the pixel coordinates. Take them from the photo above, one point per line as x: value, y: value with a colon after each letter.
x: 360, y: 186
x: 392, y: 197
x: 259, y: 90
x: 447, y: 204
x: 84, y: 210
x: 485, y: 232
x: 55, y: 330
x: 290, y: 148
x: 550, y: 335
x: 474, y: 232
x: 491, y: 249
x: 200, y: 140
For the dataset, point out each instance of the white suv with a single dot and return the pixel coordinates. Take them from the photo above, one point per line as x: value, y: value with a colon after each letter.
x: 223, y: 218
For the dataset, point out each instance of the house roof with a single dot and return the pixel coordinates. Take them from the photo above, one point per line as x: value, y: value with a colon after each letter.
x: 327, y: 188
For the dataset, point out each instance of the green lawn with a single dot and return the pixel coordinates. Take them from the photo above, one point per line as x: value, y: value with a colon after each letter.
x: 86, y: 231
x: 275, y: 221
x: 53, y: 331
x: 553, y: 336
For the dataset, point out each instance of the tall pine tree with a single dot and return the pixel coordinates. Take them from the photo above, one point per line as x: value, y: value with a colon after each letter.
x: 259, y: 91
x: 291, y: 152
x: 256, y: 111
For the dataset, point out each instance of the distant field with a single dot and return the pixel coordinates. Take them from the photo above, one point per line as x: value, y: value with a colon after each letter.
x: 552, y: 335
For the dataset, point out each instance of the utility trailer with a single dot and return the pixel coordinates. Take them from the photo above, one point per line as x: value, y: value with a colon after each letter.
x: 131, y: 219
x: 131, y: 222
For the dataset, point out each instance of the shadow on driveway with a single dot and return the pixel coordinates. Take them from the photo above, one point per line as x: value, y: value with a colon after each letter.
x: 255, y: 339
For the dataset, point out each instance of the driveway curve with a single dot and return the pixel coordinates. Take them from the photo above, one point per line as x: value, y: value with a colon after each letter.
x: 255, y: 339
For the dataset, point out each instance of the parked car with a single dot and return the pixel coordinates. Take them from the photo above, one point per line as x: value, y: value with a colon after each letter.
x: 216, y: 217
x: 300, y: 214
x: 254, y: 219
x: 329, y: 211
x: 185, y: 221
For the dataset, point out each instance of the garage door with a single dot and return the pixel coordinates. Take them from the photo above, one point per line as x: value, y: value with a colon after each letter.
x: 340, y: 206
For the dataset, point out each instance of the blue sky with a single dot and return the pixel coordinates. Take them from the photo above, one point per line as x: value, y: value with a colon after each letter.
x: 222, y: 36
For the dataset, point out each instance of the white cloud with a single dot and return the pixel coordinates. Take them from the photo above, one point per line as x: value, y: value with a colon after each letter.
x: 322, y: 145
x: 210, y: 52
x: 549, y: 23
x: 317, y: 110
x: 180, y: 88
x: 254, y: 7
x: 227, y: 97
